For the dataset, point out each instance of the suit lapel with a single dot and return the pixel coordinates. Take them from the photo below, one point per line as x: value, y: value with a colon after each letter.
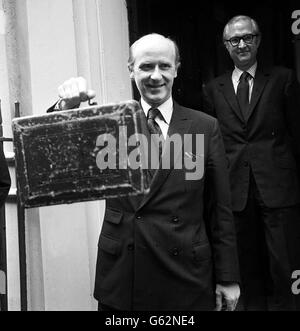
x: 179, y: 124
x: 260, y: 81
x: 226, y: 86
x: 227, y: 89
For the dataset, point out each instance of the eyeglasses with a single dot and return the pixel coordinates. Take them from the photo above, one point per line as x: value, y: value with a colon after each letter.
x: 247, y: 38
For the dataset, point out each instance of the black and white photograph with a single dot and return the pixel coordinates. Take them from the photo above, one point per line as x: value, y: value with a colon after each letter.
x: 149, y: 158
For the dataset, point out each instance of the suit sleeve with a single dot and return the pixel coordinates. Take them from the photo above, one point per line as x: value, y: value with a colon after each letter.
x: 292, y: 111
x: 53, y: 108
x: 4, y: 178
x: 221, y: 222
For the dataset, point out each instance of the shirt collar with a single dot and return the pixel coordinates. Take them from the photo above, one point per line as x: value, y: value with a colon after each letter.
x: 237, y: 72
x: 166, y: 109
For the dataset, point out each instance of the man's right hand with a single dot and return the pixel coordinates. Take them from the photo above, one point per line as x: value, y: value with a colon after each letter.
x: 74, y: 91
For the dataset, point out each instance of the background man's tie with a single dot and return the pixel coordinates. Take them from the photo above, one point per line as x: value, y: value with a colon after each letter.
x: 155, y: 129
x: 243, y: 93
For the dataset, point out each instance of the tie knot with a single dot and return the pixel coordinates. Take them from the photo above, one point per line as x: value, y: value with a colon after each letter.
x: 153, y: 113
x: 245, y: 76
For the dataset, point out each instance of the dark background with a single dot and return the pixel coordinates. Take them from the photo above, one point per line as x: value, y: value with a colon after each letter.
x: 197, y: 27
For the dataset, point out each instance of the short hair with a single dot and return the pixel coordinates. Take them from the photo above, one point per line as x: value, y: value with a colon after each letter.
x: 238, y: 18
x: 177, y: 53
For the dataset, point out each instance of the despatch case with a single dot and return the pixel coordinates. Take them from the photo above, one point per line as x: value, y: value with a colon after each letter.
x: 56, y: 155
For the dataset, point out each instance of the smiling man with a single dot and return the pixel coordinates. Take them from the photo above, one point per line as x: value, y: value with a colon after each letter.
x: 258, y: 111
x: 154, y: 68
x: 157, y: 252
x: 242, y: 38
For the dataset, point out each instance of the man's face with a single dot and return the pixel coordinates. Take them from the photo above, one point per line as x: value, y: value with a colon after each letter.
x: 244, y: 54
x: 154, y: 69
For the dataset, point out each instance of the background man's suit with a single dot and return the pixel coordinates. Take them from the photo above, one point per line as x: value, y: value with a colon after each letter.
x: 262, y: 151
x: 156, y: 252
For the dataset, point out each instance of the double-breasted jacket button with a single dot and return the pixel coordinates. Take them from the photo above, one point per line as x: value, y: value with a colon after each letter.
x: 175, y: 251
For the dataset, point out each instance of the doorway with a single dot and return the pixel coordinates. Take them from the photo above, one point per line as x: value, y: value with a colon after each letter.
x: 197, y: 28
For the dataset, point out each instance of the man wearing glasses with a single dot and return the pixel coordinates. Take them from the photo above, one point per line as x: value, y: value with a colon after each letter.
x: 259, y: 113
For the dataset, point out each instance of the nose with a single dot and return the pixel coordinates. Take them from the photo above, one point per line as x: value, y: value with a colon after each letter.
x: 156, y: 74
x: 242, y: 44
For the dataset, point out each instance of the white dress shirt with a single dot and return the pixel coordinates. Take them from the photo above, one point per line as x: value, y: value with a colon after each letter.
x: 166, y: 110
x: 236, y: 75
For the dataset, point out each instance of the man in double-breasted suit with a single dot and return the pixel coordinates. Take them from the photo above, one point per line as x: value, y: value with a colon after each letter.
x: 259, y: 114
x: 156, y: 252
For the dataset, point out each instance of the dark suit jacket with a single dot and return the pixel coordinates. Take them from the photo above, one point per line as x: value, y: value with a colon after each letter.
x: 268, y: 141
x: 4, y: 178
x: 156, y: 252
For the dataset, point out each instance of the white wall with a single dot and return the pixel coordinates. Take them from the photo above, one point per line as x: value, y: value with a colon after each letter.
x: 6, y: 96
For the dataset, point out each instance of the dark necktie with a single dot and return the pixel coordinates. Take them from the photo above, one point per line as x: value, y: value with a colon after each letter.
x: 243, y: 93
x: 155, y: 129
x: 152, y: 125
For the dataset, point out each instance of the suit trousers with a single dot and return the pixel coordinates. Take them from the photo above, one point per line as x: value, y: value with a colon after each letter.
x: 269, y: 251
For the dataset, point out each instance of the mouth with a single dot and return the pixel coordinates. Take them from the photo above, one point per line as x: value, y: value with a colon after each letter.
x: 244, y: 53
x: 151, y: 86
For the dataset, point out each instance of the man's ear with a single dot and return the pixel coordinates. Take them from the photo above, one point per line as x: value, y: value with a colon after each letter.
x: 258, y: 40
x: 130, y: 69
x: 225, y: 43
x: 178, y: 65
